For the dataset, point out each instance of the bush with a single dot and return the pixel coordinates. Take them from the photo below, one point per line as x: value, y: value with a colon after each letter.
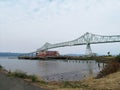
x: 118, y: 58
x: 111, y: 67
x: 19, y: 74
x: 33, y: 78
x: 23, y: 75
x: 1, y: 67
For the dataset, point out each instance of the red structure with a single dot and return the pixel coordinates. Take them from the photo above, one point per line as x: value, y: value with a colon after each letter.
x: 47, y: 54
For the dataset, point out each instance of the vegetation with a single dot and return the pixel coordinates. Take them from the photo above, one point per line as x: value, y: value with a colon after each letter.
x: 11, y: 54
x: 23, y: 75
x: 68, y: 84
x: 118, y: 58
x: 19, y: 74
x: 109, y: 82
x: 88, y: 84
x: 1, y: 66
x: 104, y: 81
x: 111, y: 67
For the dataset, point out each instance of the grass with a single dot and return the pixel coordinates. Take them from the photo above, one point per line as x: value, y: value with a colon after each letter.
x: 19, y: 74
x: 68, y: 84
x: 110, y: 82
x: 104, y: 81
x: 23, y: 75
x: 33, y: 78
x: 107, y: 82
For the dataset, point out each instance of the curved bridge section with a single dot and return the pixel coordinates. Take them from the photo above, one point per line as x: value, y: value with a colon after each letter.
x: 86, y: 39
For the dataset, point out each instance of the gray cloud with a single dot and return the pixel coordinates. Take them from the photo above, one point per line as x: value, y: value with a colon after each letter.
x: 34, y: 22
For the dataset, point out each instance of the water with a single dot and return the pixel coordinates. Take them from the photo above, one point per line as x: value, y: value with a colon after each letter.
x: 53, y: 69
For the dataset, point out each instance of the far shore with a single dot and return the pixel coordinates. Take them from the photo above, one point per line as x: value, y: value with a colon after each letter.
x: 97, y: 58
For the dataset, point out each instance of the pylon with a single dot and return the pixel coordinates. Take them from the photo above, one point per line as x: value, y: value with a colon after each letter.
x: 88, y: 50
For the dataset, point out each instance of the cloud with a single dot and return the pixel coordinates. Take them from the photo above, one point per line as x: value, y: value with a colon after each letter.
x: 54, y: 21
x: 45, y: 5
x: 15, y: 10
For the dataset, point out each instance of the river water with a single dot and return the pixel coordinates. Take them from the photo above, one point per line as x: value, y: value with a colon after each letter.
x: 53, y: 70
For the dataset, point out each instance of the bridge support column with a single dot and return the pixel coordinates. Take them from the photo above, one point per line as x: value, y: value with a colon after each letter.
x: 88, y: 50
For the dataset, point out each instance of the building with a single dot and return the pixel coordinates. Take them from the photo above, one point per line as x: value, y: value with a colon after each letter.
x: 47, y: 54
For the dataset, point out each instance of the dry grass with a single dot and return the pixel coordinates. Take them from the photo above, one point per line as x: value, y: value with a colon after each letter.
x: 110, y: 82
x: 71, y: 89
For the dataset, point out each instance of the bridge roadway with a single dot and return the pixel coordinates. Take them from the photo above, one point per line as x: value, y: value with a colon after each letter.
x: 86, y: 39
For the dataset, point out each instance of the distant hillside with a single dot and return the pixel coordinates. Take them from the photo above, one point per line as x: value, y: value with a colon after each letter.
x: 10, y: 54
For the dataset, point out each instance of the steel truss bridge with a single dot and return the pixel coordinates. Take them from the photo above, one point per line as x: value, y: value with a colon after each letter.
x: 86, y: 39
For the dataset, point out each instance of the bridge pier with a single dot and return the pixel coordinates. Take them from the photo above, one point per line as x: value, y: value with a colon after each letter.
x: 88, y: 50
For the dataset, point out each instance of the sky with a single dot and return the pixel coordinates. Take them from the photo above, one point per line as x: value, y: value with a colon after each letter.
x: 26, y: 25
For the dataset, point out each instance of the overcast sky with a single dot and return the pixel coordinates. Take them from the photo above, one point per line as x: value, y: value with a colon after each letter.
x: 25, y: 25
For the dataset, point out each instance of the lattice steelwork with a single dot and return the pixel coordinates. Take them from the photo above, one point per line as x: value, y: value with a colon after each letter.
x: 86, y: 39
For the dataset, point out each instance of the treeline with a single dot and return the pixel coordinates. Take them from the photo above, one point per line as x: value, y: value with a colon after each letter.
x: 10, y: 54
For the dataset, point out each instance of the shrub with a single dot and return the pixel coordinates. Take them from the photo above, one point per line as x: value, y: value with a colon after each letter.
x: 111, y: 67
x: 19, y: 74
x: 118, y: 58
x: 1, y: 67
x: 33, y: 78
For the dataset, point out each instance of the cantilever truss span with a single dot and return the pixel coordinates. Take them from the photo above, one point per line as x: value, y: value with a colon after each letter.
x: 86, y: 39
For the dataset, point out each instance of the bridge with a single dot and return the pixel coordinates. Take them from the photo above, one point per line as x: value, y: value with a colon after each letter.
x: 86, y: 39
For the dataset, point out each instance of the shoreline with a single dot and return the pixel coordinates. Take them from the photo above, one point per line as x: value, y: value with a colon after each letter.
x: 96, y: 58
x: 15, y: 83
x: 110, y: 82
x: 107, y: 82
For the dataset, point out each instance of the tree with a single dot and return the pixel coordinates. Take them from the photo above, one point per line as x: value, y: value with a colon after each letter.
x: 108, y: 53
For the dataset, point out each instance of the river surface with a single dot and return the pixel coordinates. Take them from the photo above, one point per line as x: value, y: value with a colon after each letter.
x: 53, y: 70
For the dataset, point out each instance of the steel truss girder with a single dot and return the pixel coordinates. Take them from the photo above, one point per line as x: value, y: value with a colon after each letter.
x: 87, y: 38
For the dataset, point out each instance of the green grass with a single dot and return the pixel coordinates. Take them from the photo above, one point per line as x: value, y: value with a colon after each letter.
x: 23, y: 75
x: 19, y: 74
x: 33, y: 78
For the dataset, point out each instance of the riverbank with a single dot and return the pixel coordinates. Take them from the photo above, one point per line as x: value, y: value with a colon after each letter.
x: 109, y: 82
x: 15, y: 83
x: 97, y: 58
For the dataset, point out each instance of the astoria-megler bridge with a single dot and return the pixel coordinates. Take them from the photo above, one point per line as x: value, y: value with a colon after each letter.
x: 86, y: 39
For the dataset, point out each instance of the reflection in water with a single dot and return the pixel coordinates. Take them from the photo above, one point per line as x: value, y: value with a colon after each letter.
x: 48, y: 67
x: 103, y: 65
x: 65, y: 69
x: 99, y: 65
x: 90, y: 68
